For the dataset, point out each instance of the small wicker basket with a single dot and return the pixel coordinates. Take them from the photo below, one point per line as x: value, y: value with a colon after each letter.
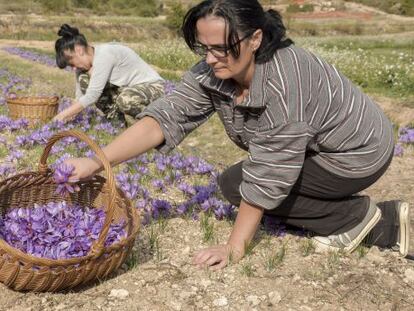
x: 23, y: 272
x: 33, y: 108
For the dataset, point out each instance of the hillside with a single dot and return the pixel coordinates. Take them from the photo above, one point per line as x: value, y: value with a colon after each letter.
x: 160, y: 7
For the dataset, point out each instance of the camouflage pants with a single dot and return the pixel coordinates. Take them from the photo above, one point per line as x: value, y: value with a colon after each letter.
x: 124, y: 103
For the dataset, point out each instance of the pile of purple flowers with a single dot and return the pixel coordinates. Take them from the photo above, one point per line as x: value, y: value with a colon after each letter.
x: 56, y: 230
x: 405, y: 137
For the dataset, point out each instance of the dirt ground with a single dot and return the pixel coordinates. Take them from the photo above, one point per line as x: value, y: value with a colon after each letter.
x: 377, y: 280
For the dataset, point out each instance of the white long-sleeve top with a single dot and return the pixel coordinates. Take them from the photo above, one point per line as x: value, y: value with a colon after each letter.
x: 117, y: 64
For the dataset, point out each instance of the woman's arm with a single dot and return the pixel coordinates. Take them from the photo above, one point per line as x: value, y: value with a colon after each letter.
x: 139, y: 138
x: 69, y: 112
x: 247, y: 221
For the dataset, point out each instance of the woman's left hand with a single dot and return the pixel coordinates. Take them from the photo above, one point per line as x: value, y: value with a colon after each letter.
x: 216, y: 257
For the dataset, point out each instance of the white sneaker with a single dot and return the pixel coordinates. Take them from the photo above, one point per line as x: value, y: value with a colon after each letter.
x: 349, y: 241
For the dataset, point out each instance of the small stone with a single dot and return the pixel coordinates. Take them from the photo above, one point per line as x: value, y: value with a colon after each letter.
x: 253, y: 300
x: 99, y: 301
x: 175, y: 305
x: 220, y: 302
x: 186, y: 250
x: 61, y: 306
x: 409, y: 275
x: 205, y: 283
x: 274, y: 297
x: 119, y: 293
x: 185, y: 295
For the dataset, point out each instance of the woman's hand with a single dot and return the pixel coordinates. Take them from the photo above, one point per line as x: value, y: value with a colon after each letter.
x: 217, y: 257
x: 85, y: 168
x: 61, y: 117
x: 245, y: 226
x: 69, y: 112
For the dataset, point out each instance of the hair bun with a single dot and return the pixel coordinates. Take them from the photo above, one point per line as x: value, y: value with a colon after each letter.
x: 68, y: 31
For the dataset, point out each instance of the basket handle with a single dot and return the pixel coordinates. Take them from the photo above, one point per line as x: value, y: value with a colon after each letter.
x: 98, y: 246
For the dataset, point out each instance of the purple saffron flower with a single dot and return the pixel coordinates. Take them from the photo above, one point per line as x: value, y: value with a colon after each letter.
x: 160, y: 208
x: 158, y: 184
x: 398, y: 150
x: 61, y: 176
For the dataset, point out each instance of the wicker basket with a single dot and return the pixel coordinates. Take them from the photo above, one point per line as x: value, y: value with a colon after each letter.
x: 23, y: 272
x: 33, y: 108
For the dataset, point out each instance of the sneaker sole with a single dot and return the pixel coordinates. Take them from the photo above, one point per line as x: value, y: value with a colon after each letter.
x: 354, y: 244
x: 321, y: 247
x: 404, y: 217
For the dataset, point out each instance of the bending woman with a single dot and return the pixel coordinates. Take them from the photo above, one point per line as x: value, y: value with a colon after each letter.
x: 313, y: 138
x: 110, y: 75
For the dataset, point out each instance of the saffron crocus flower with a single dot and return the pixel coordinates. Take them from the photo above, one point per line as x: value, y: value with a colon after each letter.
x: 61, y: 176
x: 398, y: 150
x: 406, y: 135
x: 160, y: 208
x: 158, y: 184
x: 273, y: 225
x: 186, y: 188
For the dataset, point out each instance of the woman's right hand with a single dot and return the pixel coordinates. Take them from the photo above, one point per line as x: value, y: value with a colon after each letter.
x: 85, y: 168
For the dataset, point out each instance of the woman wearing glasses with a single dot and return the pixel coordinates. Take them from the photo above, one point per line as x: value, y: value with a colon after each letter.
x: 109, y: 75
x: 313, y: 138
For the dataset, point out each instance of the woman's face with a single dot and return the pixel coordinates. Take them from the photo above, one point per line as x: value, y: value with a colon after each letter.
x: 79, y: 58
x: 211, y: 32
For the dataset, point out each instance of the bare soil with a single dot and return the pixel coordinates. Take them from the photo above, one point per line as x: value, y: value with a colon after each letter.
x: 377, y: 280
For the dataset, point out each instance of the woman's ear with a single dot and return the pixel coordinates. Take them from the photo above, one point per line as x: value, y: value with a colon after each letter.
x: 256, y: 40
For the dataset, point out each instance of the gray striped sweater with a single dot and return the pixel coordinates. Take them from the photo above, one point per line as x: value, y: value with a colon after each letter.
x: 298, y: 105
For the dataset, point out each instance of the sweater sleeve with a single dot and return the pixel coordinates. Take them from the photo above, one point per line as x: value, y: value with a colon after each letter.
x: 274, y: 163
x: 178, y: 114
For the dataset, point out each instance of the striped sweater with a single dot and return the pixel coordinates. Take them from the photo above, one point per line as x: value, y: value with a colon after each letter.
x: 298, y: 105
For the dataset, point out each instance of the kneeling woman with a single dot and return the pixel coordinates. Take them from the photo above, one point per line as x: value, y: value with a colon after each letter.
x: 313, y: 138
x: 110, y: 75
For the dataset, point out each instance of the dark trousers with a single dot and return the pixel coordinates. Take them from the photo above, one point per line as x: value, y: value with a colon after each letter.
x: 319, y: 201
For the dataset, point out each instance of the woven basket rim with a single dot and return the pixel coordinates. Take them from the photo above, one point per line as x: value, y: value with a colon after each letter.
x: 33, y: 100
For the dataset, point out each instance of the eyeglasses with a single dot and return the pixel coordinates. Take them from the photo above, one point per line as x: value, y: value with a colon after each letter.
x: 218, y: 51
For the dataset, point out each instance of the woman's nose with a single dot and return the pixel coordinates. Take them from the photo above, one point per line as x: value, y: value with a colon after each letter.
x: 210, y: 58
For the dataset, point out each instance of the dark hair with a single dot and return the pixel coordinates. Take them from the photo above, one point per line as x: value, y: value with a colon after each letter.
x: 70, y: 36
x: 242, y: 17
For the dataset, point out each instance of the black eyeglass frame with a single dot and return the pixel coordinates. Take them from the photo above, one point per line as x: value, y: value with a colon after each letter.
x: 223, y: 51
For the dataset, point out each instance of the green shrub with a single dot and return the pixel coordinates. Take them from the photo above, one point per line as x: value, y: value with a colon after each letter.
x: 175, y: 17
